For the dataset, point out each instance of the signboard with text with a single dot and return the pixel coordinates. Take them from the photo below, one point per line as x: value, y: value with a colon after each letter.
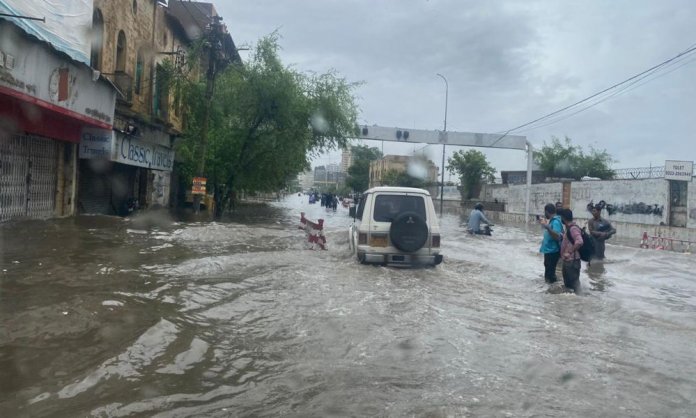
x: 198, y: 185
x: 31, y: 73
x: 96, y: 143
x: 679, y: 170
x: 134, y: 151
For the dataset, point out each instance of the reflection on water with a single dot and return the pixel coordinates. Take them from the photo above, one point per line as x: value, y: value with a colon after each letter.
x: 150, y: 316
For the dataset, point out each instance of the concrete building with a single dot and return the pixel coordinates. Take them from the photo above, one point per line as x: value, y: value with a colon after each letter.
x: 329, y: 176
x: 133, y: 162
x: 139, y: 45
x: 400, y: 163
x: 346, y: 160
x: 50, y: 99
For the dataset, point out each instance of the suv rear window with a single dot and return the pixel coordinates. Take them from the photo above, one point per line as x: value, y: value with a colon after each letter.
x: 388, y: 207
x: 361, y: 207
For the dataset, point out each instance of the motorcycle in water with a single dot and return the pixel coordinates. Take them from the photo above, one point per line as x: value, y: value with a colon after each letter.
x: 485, y: 230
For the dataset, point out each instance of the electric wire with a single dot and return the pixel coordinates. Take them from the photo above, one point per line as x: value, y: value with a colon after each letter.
x: 650, y: 70
x: 628, y: 87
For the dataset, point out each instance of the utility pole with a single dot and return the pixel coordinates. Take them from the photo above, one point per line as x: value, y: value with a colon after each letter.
x: 215, y: 59
x: 444, y: 142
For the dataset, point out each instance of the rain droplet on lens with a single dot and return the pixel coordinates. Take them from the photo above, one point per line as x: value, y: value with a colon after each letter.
x: 319, y: 123
x: 406, y: 345
x: 567, y: 377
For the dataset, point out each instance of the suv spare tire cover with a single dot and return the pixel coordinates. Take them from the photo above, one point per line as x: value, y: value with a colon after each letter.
x: 409, y: 232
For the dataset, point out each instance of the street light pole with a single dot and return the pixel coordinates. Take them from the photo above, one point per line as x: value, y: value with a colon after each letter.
x: 444, y: 141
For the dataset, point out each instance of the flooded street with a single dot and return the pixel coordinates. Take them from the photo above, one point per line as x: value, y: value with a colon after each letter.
x: 108, y: 317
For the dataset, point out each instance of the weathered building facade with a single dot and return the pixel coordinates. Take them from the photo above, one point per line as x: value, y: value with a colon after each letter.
x: 427, y: 170
x: 49, y: 96
x: 131, y: 166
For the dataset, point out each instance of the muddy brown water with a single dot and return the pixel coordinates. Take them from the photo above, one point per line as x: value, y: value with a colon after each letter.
x: 147, y: 316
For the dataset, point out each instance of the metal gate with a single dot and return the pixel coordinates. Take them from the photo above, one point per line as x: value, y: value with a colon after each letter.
x: 28, y: 177
x: 678, y: 191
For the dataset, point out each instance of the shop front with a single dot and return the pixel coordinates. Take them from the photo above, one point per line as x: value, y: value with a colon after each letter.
x: 120, y: 172
x: 46, y: 100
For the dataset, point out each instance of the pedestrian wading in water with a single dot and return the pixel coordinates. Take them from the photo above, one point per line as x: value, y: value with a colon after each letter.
x: 601, y: 230
x: 551, y: 243
x: 570, y: 255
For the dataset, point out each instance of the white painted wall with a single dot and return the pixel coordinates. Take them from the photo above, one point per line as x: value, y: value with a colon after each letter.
x: 632, y: 198
x: 514, y: 195
x: 494, y: 192
x: 540, y: 195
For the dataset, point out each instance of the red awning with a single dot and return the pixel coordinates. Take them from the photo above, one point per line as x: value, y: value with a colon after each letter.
x: 21, y: 113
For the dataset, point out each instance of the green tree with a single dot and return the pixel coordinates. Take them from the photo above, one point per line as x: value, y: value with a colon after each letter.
x: 570, y: 161
x: 473, y: 169
x: 359, y: 172
x: 267, y: 120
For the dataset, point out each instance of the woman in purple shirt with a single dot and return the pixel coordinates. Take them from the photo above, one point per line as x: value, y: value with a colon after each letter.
x: 569, y: 251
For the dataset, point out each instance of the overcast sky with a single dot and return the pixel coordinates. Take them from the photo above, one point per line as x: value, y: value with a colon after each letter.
x: 507, y: 62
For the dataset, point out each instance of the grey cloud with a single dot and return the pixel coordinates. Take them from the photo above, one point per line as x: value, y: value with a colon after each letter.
x: 507, y: 62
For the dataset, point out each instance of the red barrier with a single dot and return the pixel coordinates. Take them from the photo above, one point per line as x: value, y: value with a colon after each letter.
x: 314, y: 230
x: 658, y: 242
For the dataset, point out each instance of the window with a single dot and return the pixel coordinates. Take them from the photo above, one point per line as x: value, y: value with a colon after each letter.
x: 160, y: 103
x: 139, y: 64
x: 121, y: 52
x: 97, y: 39
x: 388, y: 207
x: 361, y: 207
x: 135, y: 7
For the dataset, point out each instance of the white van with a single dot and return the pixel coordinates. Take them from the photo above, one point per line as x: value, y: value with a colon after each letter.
x: 396, y: 225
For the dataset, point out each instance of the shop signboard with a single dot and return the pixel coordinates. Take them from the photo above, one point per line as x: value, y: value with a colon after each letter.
x: 96, y: 143
x: 32, y: 73
x: 198, y: 185
x: 135, y: 151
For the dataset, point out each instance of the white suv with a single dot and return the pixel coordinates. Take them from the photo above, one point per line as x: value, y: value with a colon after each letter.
x: 396, y: 225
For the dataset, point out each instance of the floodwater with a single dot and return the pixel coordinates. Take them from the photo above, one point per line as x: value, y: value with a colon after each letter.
x: 108, y: 317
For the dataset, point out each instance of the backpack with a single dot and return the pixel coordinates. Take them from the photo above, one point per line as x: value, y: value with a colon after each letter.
x: 587, y: 250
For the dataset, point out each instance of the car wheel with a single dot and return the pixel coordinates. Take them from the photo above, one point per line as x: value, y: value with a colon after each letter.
x: 408, y: 232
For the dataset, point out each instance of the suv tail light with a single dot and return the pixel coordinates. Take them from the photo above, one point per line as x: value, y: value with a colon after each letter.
x: 435, y: 240
x: 362, y: 238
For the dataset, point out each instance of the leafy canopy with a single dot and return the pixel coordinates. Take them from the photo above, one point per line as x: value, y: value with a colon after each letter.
x: 473, y: 169
x: 570, y: 161
x: 359, y: 171
x: 266, y: 121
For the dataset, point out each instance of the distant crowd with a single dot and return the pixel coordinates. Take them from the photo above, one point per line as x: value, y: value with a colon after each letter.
x: 328, y: 200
